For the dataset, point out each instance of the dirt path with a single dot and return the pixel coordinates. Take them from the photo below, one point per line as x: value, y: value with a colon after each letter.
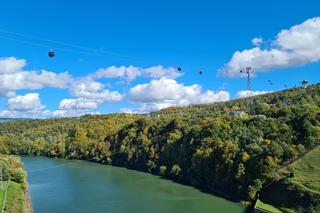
x: 27, y: 202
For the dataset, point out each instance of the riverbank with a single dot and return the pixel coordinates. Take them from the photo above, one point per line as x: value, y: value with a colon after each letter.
x: 14, y: 194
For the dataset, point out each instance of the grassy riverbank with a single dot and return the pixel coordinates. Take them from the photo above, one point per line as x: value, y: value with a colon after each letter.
x: 14, y: 196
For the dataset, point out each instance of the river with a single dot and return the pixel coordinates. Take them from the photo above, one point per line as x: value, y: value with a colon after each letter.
x: 59, y: 186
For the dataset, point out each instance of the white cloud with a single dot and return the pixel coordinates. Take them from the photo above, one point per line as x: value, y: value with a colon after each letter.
x: 248, y: 93
x: 73, y: 108
x: 11, y: 65
x: 29, y: 102
x: 163, y: 93
x: 77, y: 104
x: 48, y: 79
x: 257, y: 41
x: 128, y: 111
x: 162, y: 89
x: 13, y: 77
x: 93, y: 90
x: 7, y: 93
x: 28, y: 105
x: 296, y: 46
x: 67, y: 113
x: 131, y: 72
x: 161, y: 72
x: 33, y: 80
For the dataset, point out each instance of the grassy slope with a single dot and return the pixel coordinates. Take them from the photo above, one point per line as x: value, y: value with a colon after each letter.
x: 307, y: 170
x: 4, y: 184
x: 266, y: 207
x: 15, y: 198
x: 306, y: 181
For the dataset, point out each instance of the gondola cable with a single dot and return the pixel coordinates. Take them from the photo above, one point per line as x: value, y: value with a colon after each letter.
x: 74, y: 48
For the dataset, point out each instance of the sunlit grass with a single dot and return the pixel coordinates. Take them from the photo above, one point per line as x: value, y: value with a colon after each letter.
x: 307, y: 170
x: 267, y: 207
x: 15, y: 198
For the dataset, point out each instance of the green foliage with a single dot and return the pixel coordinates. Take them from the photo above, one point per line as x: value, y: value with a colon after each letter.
x: 175, y: 170
x: 163, y: 170
x: 12, y: 169
x: 203, y: 145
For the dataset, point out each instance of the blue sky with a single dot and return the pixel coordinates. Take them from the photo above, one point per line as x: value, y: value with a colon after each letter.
x: 195, y: 35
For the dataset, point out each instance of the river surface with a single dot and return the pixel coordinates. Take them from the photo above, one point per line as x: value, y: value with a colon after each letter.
x: 59, y: 186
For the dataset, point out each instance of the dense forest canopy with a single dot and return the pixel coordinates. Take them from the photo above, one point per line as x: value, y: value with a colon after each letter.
x: 232, y: 148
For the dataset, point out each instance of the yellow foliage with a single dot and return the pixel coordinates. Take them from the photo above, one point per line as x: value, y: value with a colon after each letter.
x: 270, y: 160
x: 267, y: 141
x: 235, y: 108
x: 245, y: 157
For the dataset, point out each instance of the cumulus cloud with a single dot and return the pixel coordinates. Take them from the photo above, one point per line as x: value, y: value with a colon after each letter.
x: 33, y: 80
x: 162, y: 89
x: 67, y: 113
x: 128, y: 111
x: 292, y: 47
x: 73, y: 107
x: 90, y: 95
x: 7, y: 93
x: 77, y: 104
x: 257, y: 41
x: 13, y: 77
x: 93, y: 90
x: 163, y: 93
x: 248, y: 93
x: 11, y: 65
x: 28, y: 105
x: 48, y: 79
x: 131, y: 72
x: 29, y: 102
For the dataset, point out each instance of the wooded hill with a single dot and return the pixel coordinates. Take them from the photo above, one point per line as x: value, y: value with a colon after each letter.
x: 233, y: 148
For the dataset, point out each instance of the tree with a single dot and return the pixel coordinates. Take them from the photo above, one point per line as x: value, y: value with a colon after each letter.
x: 163, y: 170
x: 175, y: 170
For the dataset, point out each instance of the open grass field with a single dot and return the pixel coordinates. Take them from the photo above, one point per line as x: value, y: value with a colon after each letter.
x: 266, y: 207
x: 307, y: 170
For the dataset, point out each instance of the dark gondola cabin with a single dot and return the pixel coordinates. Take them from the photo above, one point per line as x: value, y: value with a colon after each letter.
x: 51, y: 53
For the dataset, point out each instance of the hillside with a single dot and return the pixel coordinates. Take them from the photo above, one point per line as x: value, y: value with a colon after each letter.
x: 232, y: 148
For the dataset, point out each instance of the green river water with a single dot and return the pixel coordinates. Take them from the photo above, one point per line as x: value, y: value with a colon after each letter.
x: 59, y: 186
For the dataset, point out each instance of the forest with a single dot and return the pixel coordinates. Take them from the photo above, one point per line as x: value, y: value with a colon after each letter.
x: 235, y: 149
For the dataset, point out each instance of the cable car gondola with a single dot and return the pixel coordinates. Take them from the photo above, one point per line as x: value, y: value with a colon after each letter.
x: 51, y: 53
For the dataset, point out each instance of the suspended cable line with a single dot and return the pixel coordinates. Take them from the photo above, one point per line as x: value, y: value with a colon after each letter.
x: 68, y: 47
